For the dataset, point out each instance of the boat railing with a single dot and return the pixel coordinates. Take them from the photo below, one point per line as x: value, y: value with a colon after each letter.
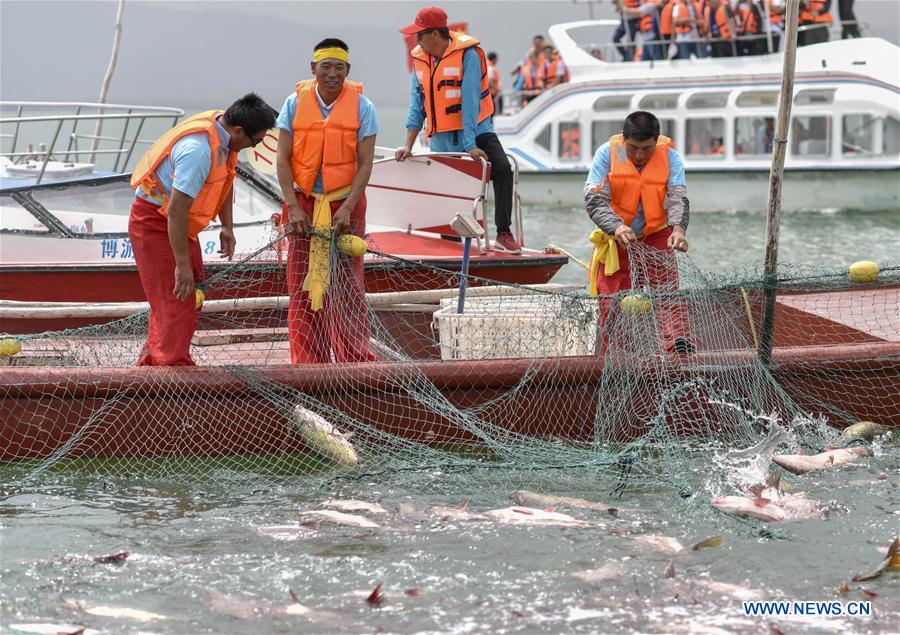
x: 68, y: 137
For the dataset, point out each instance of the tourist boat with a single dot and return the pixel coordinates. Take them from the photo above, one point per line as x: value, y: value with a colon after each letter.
x: 67, y: 241
x: 844, y: 150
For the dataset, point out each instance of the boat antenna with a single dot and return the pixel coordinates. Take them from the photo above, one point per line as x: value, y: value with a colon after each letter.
x: 104, y: 87
x: 776, y: 176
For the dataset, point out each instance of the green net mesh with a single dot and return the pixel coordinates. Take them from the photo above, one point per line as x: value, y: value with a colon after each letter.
x: 524, y: 385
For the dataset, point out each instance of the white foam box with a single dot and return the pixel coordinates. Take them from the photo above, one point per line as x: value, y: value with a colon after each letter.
x: 516, y: 327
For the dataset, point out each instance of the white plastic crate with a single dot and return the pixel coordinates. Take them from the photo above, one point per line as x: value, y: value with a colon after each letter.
x: 516, y: 327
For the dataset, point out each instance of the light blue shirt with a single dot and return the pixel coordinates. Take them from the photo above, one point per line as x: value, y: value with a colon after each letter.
x: 600, y: 170
x: 368, y: 122
x: 187, y: 166
x: 456, y: 140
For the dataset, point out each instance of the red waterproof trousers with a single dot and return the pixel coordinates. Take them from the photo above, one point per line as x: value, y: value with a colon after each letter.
x: 172, y: 321
x: 338, y: 332
x: 661, y: 275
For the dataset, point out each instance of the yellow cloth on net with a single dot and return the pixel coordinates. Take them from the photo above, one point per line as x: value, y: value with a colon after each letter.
x: 605, y: 253
x: 318, y: 273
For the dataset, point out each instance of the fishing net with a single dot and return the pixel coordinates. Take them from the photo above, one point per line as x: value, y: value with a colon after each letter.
x: 522, y: 384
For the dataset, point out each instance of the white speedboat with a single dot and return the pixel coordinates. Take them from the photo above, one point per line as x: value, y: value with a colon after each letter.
x: 844, y: 150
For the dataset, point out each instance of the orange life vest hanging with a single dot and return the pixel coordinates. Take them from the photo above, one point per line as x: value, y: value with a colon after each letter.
x: 628, y: 186
x: 325, y: 143
x: 442, y: 84
x: 215, y: 189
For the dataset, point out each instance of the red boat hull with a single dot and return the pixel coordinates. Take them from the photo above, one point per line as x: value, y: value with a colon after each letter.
x: 162, y: 412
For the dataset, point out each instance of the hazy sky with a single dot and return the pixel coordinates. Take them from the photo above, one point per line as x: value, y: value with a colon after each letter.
x: 204, y: 54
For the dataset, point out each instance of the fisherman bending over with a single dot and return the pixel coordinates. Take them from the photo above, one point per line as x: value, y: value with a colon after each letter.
x: 181, y: 184
x: 636, y: 191
x: 450, y: 85
x: 326, y: 144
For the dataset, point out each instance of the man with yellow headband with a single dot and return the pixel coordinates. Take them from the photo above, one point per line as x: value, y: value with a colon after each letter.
x: 326, y: 146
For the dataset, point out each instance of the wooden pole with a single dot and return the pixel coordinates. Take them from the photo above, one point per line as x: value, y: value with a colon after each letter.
x: 776, y: 176
x: 104, y: 87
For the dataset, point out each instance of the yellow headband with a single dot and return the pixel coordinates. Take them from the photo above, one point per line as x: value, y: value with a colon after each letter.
x: 333, y: 53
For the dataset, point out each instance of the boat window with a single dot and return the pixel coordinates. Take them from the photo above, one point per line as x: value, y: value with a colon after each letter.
x: 659, y: 102
x: 751, y: 98
x: 753, y: 136
x: 811, y: 136
x: 810, y: 97
x: 17, y: 218
x: 612, y: 102
x: 543, y: 138
x: 706, y: 137
x: 569, y: 140
x: 601, y: 131
x: 667, y: 127
x: 707, y: 100
x: 858, y: 138
x: 891, y: 136
x: 106, y: 199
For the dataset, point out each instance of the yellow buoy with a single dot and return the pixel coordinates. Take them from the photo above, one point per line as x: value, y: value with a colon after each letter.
x: 199, y: 296
x: 635, y: 304
x: 863, y: 271
x: 10, y: 346
x: 352, y: 245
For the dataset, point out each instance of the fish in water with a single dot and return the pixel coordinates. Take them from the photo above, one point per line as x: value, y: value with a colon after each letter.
x: 801, y: 463
x: 663, y: 544
x: 743, y: 507
x: 323, y: 437
x: 52, y: 629
x: 606, y: 572
x: 286, y: 532
x: 864, y: 430
x: 354, y: 506
x: 340, y: 518
x: 533, y: 516
x: 533, y: 499
x: 796, y: 506
x: 116, y: 612
x: 411, y: 512
x: 731, y: 590
x: 455, y: 513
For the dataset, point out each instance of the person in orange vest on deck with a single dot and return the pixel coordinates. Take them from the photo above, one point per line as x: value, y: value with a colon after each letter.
x: 181, y: 185
x: 776, y: 22
x: 815, y: 15
x: 494, y: 82
x: 532, y: 77
x: 749, y: 23
x: 326, y: 145
x: 450, y: 85
x: 722, y: 30
x: 555, y: 71
x: 636, y: 191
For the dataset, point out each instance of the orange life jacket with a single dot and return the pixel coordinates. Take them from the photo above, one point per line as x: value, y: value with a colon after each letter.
x: 442, y: 84
x: 702, y: 9
x: 327, y: 144
x: 217, y: 186
x: 748, y: 19
x: 666, y: 25
x: 628, y: 187
x: 647, y: 20
x: 806, y: 16
x: 534, y: 74
x: 570, y: 142
x: 551, y: 68
x: 721, y: 18
x: 775, y: 18
x: 632, y: 4
x: 685, y: 12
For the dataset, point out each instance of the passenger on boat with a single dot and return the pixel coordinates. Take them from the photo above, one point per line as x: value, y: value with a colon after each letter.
x: 555, y: 71
x: 722, y: 30
x: 181, y: 184
x: 717, y: 146
x: 636, y: 191
x: 749, y: 25
x: 532, y: 77
x: 815, y: 15
x: 776, y: 21
x: 685, y: 24
x: 494, y: 82
x: 849, y: 26
x: 765, y: 136
x: 450, y: 84
x: 629, y: 25
x: 326, y: 145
